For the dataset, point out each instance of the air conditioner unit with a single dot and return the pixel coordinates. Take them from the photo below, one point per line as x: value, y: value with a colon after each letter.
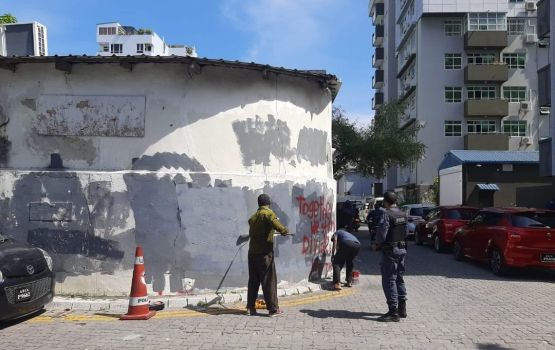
x: 530, y: 6
x: 524, y: 106
x: 531, y: 38
x: 526, y: 141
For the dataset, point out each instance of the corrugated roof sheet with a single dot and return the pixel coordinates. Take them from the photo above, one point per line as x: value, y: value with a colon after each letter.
x: 458, y: 157
x: 488, y: 187
x: 327, y: 80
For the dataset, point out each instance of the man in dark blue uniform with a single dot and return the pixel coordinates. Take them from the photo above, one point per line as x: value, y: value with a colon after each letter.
x: 390, y: 240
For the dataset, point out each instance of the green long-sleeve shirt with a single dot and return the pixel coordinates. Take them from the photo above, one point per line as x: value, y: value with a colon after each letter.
x: 261, y: 230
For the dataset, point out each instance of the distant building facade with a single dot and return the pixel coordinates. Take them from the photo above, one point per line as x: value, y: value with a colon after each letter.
x: 468, y: 73
x: 116, y: 39
x: 23, y: 39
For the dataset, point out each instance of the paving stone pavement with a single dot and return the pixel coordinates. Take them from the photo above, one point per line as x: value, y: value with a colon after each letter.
x: 452, y: 305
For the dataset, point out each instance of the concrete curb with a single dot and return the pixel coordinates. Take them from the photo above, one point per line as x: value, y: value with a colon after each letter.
x: 171, y: 302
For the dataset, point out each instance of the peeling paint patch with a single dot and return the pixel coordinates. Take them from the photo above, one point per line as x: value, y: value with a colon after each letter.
x: 73, y: 115
x: 30, y: 103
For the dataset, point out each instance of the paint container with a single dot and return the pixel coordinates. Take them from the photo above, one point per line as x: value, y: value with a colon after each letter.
x: 356, y: 275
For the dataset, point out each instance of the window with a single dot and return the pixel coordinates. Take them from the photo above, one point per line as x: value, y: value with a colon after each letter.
x: 515, y: 127
x: 107, y: 31
x: 515, y: 60
x: 116, y: 48
x: 480, y: 126
x: 42, y: 49
x: 480, y: 58
x: 516, y: 26
x: 104, y: 48
x: 148, y: 47
x: 452, y: 128
x: 481, y: 93
x: 453, y: 94
x: 485, y: 21
x: 140, y: 48
x: 514, y: 93
x: 453, y: 28
x: 453, y: 61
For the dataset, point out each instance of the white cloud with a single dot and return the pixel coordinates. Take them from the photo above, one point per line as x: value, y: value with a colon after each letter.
x: 282, y: 31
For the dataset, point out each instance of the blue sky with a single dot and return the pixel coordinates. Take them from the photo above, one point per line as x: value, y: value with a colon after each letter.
x: 305, y: 34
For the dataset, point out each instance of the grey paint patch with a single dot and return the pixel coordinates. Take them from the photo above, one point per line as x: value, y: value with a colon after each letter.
x: 169, y: 160
x: 56, y: 211
x: 223, y: 183
x: 72, y: 115
x: 312, y: 146
x: 70, y: 148
x: 258, y: 139
x: 5, y: 147
x: 30, y: 103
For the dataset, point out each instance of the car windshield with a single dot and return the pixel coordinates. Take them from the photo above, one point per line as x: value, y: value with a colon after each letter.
x: 422, y: 211
x: 460, y: 214
x: 533, y: 219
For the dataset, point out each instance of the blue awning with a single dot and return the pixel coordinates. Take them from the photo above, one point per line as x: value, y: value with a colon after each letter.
x: 488, y: 187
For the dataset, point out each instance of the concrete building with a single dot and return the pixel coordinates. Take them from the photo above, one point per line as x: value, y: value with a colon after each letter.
x: 23, y: 39
x: 546, y: 76
x: 100, y: 154
x: 494, y: 178
x: 115, y: 39
x: 354, y: 185
x: 467, y: 71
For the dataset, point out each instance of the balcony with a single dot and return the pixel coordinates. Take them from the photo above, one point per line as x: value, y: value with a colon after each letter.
x: 490, y: 142
x: 544, y: 86
x: 485, y: 40
x: 378, y: 79
x: 487, y: 73
x: 486, y: 108
x: 377, y: 100
x: 543, y: 19
x: 378, y: 57
x: 378, y: 12
x: 377, y: 37
x: 372, y: 4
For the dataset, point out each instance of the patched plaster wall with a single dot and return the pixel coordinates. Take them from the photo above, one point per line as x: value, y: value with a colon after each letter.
x: 166, y: 159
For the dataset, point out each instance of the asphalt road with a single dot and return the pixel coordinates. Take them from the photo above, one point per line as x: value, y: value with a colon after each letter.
x: 459, y: 305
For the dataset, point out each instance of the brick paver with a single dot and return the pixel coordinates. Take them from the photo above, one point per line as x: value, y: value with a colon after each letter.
x: 452, y: 305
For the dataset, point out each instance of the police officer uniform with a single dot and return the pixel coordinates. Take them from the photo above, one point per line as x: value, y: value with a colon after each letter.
x: 390, y: 240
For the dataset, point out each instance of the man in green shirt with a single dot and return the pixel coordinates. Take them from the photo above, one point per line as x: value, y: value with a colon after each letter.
x: 262, y: 269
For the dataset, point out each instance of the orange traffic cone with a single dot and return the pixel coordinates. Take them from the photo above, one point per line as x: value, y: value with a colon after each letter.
x: 138, y: 300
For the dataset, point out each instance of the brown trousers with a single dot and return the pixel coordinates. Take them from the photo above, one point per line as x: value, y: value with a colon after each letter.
x: 262, y: 270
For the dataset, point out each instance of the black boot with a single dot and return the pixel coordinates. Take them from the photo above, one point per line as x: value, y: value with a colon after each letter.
x: 391, y: 316
x: 403, y: 308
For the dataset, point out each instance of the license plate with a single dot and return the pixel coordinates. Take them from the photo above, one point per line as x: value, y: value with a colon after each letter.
x: 548, y: 258
x: 23, y: 294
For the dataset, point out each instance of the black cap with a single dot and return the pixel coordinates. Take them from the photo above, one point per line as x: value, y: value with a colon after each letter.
x: 390, y: 197
x: 264, y: 199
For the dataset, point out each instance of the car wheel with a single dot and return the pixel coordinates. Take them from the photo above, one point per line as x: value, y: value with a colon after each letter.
x: 417, y: 239
x: 438, y: 244
x: 497, y: 263
x: 458, y: 250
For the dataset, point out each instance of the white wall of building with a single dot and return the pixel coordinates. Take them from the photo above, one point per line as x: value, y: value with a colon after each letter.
x: 178, y: 173
x: 451, y: 186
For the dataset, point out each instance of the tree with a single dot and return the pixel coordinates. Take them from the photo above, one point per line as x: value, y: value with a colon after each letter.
x: 372, y: 150
x: 7, y: 18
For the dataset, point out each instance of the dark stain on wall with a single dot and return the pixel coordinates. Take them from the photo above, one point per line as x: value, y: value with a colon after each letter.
x: 258, y: 139
x: 5, y: 147
x: 312, y: 146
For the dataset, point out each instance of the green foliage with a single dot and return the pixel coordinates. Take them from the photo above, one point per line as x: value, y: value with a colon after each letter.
x: 7, y: 18
x: 142, y: 31
x: 372, y: 150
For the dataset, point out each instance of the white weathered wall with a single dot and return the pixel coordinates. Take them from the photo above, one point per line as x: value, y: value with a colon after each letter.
x: 451, y: 186
x: 211, y: 143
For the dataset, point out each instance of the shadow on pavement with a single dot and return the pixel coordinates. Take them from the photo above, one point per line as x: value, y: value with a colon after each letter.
x: 423, y: 260
x: 340, y: 314
x: 11, y: 323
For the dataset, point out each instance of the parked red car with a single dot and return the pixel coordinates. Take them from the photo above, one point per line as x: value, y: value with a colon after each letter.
x: 439, y: 226
x: 509, y: 237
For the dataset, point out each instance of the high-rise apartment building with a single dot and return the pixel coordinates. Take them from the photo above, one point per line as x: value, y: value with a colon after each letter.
x: 546, y: 77
x: 23, y: 39
x: 468, y: 73
x: 115, y: 39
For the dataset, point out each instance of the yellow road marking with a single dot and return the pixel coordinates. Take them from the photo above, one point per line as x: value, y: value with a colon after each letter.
x: 193, y: 313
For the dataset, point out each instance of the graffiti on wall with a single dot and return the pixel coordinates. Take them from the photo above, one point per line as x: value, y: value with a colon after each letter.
x: 316, y: 225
